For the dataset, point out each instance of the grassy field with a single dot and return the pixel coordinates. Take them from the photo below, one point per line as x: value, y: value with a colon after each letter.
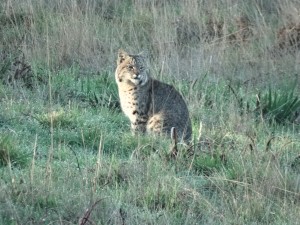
x: 67, y: 155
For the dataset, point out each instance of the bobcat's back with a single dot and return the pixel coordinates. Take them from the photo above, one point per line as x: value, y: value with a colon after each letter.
x: 151, y: 106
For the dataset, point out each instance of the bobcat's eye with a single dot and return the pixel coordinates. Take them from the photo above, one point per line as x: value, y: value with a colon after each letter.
x: 130, y: 67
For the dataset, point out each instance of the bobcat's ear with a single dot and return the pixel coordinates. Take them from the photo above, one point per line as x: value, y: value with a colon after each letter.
x: 122, y: 55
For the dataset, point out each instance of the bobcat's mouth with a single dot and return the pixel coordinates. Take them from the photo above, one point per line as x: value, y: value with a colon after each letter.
x: 136, y: 76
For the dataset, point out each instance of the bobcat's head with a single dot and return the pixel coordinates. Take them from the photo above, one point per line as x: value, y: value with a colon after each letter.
x: 131, y: 69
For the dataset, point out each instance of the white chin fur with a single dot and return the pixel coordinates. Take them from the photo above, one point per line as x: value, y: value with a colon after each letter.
x: 144, y: 80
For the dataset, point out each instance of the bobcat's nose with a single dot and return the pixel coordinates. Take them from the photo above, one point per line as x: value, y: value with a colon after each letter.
x: 136, y: 76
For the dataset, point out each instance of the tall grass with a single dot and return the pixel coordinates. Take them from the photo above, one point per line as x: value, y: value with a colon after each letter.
x: 67, y: 155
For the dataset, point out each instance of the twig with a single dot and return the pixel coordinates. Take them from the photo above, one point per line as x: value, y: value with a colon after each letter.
x: 78, y: 166
x: 87, y: 214
x: 268, y: 145
x: 174, y: 150
x: 123, y: 215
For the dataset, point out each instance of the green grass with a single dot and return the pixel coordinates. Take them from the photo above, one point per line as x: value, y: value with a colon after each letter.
x: 67, y: 155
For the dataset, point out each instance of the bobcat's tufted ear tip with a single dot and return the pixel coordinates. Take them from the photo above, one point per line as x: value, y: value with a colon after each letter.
x: 121, y: 56
x: 121, y: 51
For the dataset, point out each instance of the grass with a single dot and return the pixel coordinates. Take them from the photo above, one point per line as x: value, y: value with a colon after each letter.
x: 67, y: 155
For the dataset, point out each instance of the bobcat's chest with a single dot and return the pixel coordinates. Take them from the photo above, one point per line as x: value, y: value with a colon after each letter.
x: 134, y: 102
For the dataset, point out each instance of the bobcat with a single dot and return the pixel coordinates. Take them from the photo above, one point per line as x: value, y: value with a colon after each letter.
x: 151, y: 106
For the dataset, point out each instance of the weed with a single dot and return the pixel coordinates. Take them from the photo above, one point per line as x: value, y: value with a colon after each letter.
x: 279, y: 106
x: 206, y: 164
x: 10, y: 154
x: 58, y: 118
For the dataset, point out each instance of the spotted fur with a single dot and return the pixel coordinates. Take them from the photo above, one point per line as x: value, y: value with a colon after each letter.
x: 151, y: 106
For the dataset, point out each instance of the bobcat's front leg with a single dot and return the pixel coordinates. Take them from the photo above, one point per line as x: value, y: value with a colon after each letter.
x: 139, y: 124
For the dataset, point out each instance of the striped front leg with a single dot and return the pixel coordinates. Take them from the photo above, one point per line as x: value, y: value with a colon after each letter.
x: 139, y: 125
